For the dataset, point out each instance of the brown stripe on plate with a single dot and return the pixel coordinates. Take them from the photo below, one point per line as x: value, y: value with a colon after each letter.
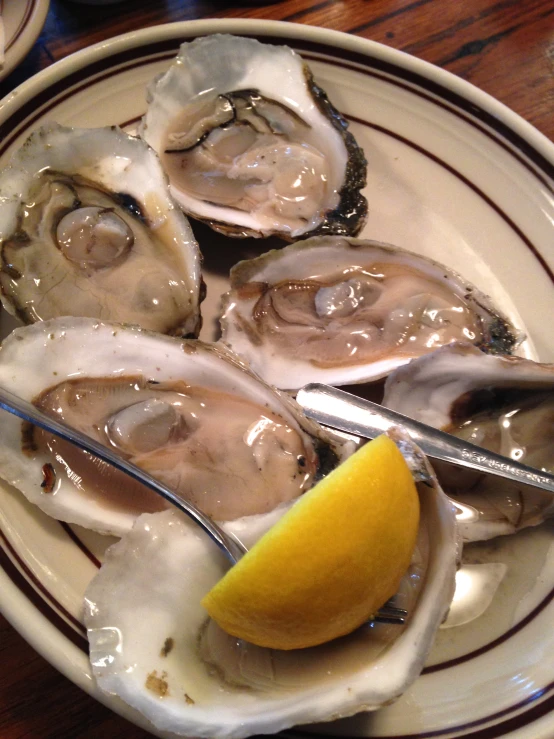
x: 44, y: 100
x: 83, y: 77
x: 435, y: 88
x: 496, y: 642
x: 80, y: 544
x: 500, y: 729
x: 28, y: 12
x: 365, y: 60
x: 453, y: 110
x: 133, y: 63
x: 31, y: 577
x: 39, y: 596
x: 505, y: 217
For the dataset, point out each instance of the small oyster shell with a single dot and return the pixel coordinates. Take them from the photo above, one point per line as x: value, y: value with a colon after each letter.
x: 152, y: 644
x: 159, y: 401
x: 88, y: 228
x: 505, y: 404
x: 341, y: 311
x: 247, y: 155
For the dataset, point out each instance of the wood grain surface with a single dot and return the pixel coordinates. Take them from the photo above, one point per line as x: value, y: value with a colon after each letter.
x: 505, y: 47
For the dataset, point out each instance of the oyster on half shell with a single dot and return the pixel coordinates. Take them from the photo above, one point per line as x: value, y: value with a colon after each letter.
x: 159, y: 401
x: 152, y: 644
x: 251, y: 144
x: 505, y: 404
x: 341, y: 311
x: 88, y: 228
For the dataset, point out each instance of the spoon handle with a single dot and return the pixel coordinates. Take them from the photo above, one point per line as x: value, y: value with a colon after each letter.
x: 28, y: 412
x: 333, y: 407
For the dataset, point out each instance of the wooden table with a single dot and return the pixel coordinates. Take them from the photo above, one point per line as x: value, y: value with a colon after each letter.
x: 505, y: 48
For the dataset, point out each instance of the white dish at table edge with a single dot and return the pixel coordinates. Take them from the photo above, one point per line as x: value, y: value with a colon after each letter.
x: 23, y: 22
x: 29, y: 622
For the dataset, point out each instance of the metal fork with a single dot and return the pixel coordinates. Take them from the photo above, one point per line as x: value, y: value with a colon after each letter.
x: 229, y: 544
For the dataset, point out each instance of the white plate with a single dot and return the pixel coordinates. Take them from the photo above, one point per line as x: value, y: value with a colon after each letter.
x: 23, y: 21
x: 452, y: 174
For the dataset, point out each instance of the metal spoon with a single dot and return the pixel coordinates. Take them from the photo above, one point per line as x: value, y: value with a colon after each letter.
x: 347, y: 412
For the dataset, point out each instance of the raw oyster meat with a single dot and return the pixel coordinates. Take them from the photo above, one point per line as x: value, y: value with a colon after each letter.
x: 251, y: 144
x: 160, y: 402
x: 151, y: 642
x: 505, y: 404
x: 88, y: 228
x: 340, y: 311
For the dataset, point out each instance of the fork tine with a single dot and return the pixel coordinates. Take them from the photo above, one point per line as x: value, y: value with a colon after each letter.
x: 389, y: 610
x: 390, y: 614
x: 381, y: 619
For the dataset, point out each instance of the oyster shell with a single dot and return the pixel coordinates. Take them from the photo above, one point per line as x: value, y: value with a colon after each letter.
x: 341, y: 311
x: 505, y: 404
x: 249, y: 156
x: 160, y: 402
x: 88, y: 228
x: 152, y: 644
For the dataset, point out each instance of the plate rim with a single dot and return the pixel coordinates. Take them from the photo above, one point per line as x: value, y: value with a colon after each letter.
x: 285, y: 29
x: 21, y: 612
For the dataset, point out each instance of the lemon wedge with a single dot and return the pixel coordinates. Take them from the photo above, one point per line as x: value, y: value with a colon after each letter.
x: 331, y: 561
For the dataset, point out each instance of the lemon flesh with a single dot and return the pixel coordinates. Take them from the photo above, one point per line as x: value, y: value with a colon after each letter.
x: 331, y: 562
